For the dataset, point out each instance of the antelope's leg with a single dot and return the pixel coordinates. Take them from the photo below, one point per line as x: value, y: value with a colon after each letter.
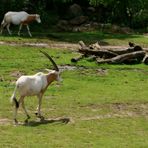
x: 29, y: 31
x: 8, y: 29
x: 20, y: 28
x: 2, y: 27
x: 15, y: 114
x: 15, y: 111
x: 24, y: 108
x: 38, y: 113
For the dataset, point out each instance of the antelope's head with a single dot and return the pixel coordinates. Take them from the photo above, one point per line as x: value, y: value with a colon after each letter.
x: 53, y: 74
x: 37, y: 18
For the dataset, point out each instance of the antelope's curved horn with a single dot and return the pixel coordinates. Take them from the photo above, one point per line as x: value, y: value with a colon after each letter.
x: 52, y: 61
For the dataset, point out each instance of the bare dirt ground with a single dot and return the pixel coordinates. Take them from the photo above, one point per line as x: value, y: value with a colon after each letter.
x: 58, y: 45
x: 117, y: 110
x: 62, y: 45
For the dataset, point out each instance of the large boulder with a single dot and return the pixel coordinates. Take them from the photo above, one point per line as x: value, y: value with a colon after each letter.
x: 63, y: 25
x: 75, y: 10
x: 91, y: 9
x: 78, y: 20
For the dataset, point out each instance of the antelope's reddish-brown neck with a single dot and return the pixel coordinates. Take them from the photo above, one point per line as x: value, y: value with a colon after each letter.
x: 51, y: 77
x: 29, y: 19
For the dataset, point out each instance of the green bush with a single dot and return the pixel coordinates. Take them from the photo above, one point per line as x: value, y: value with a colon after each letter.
x: 140, y: 21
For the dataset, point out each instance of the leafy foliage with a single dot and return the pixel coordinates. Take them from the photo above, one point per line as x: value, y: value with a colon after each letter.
x: 130, y: 13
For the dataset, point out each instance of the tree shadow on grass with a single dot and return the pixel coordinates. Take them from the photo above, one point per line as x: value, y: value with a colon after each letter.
x: 88, y: 37
x: 64, y: 120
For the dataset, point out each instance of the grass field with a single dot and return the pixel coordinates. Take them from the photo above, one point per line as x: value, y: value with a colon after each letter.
x: 87, y: 37
x: 107, y: 105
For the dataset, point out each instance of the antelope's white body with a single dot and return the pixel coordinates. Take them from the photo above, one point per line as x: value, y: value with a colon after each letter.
x: 19, y: 18
x: 32, y: 85
x: 15, y: 17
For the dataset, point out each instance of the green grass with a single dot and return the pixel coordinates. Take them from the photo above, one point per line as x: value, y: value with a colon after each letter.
x: 101, y: 37
x: 88, y: 37
x: 115, y: 93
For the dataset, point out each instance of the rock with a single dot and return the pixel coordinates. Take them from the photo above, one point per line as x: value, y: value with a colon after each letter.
x: 75, y: 10
x: 126, y: 30
x: 91, y: 9
x: 78, y: 20
x: 63, y: 25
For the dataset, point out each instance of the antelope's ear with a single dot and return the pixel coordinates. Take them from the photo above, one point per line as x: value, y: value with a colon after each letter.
x: 48, y: 70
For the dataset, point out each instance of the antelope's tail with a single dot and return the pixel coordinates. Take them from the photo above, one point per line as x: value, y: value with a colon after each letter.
x: 13, y: 98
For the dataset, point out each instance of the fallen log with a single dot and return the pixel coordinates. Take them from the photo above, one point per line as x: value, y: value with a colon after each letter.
x: 82, y: 44
x: 127, y: 58
x: 100, y: 53
x: 132, y: 55
x: 95, y: 50
x: 91, y: 58
x: 145, y: 60
x: 128, y: 50
x: 95, y: 46
x: 77, y: 58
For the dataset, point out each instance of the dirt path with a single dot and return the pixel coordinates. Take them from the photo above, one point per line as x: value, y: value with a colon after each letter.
x: 71, y: 120
x: 117, y: 110
x: 62, y: 45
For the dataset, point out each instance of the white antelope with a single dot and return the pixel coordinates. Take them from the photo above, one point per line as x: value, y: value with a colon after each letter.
x: 34, y: 85
x: 19, y: 18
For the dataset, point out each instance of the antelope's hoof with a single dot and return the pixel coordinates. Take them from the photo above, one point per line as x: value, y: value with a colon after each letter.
x: 36, y: 113
x: 15, y: 122
x: 42, y: 118
x: 28, y: 117
x: 26, y: 121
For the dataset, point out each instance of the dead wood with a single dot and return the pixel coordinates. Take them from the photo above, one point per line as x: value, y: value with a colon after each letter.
x: 82, y: 45
x: 91, y: 58
x: 127, y: 58
x: 132, y: 55
x: 100, y: 53
x: 145, y: 60
x: 77, y: 58
x: 95, y: 46
x: 128, y: 50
